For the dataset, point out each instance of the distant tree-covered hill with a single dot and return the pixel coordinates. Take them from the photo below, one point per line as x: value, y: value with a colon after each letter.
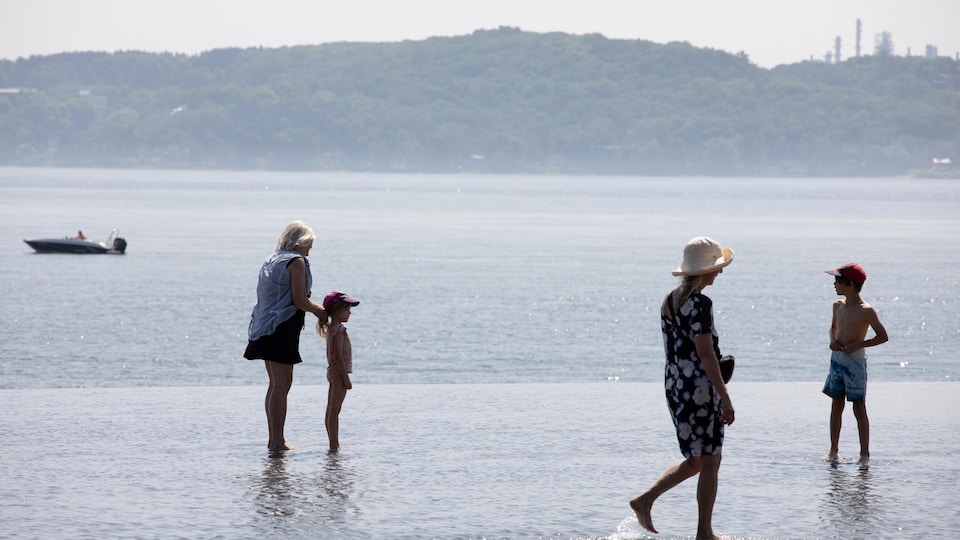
x: 495, y: 101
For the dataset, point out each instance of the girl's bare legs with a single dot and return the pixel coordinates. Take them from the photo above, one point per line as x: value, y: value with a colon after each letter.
x: 671, y: 477
x: 275, y: 403
x: 335, y: 395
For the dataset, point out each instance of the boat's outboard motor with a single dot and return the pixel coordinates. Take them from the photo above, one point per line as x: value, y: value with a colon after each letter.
x: 119, y: 244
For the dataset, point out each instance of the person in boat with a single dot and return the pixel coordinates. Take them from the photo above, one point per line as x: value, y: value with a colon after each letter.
x: 79, y: 236
x: 283, y: 298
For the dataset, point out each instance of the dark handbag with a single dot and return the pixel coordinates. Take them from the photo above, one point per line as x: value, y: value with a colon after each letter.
x: 727, y: 362
x: 726, y: 367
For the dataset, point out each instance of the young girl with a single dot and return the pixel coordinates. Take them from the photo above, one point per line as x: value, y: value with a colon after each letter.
x: 339, y: 359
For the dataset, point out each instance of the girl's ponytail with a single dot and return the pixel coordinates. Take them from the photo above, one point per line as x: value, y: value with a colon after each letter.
x: 323, y: 322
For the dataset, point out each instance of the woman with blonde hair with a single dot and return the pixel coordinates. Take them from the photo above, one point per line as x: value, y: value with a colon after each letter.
x: 696, y: 392
x: 283, y: 298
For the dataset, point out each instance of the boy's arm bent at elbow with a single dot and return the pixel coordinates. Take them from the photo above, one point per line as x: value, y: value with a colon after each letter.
x: 879, y: 331
x: 834, y: 342
x: 879, y: 337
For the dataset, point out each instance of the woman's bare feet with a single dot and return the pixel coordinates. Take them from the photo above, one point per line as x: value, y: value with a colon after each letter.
x: 282, y: 448
x: 641, y: 506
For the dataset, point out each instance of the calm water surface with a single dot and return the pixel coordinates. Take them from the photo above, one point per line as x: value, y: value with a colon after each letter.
x: 466, y: 279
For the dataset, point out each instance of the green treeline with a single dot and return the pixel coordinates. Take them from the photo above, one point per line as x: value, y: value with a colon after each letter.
x: 495, y: 101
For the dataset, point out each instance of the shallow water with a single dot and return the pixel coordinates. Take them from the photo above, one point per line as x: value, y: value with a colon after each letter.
x: 464, y: 461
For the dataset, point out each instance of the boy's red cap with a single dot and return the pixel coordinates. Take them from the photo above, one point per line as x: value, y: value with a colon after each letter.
x: 851, y: 271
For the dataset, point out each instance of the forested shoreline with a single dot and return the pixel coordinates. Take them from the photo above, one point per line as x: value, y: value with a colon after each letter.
x: 495, y: 101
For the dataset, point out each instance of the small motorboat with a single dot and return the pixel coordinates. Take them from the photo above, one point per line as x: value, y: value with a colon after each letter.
x: 114, y: 245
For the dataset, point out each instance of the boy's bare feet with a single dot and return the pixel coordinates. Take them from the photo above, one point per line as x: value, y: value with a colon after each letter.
x: 642, y: 507
x: 832, y: 457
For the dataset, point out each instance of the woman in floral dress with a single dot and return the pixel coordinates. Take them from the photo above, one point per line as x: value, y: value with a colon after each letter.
x: 696, y: 394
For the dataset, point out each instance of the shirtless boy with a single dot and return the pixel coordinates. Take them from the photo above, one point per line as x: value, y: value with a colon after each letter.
x: 852, y: 317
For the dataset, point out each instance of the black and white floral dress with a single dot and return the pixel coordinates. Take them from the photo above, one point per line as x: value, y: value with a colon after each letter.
x: 693, y: 402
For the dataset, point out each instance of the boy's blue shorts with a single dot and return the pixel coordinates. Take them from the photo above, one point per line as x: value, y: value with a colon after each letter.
x: 847, y: 377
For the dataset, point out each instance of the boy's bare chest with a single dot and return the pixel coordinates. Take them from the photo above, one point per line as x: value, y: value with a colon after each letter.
x: 851, y: 316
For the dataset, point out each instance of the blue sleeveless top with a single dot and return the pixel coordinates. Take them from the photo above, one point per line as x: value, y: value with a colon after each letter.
x: 274, y: 294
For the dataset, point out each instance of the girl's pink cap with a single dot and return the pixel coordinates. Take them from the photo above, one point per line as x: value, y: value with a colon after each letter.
x: 336, y: 296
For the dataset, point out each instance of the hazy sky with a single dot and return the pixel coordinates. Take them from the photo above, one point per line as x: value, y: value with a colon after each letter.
x: 771, y: 32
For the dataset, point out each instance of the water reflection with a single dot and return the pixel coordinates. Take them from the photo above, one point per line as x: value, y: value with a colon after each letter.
x: 851, y: 504
x: 277, y: 490
x: 335, y: 486
x: 304, y: 494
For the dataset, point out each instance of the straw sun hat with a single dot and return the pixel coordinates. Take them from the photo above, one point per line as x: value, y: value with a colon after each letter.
x: 703, y: 255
